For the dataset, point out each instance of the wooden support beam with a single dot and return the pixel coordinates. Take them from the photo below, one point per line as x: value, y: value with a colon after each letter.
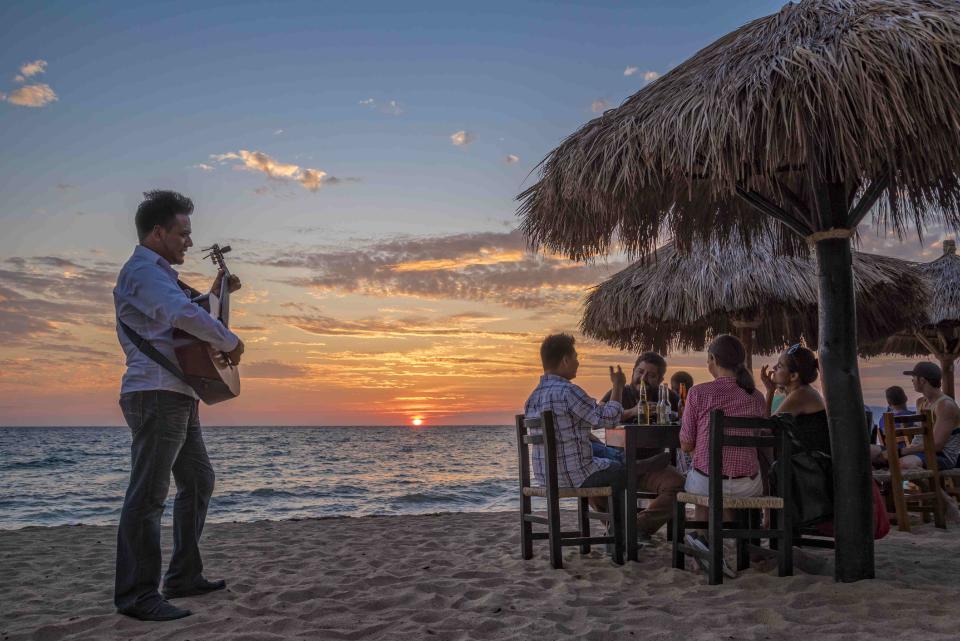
x: 868, y: 200
x: 769, y: 208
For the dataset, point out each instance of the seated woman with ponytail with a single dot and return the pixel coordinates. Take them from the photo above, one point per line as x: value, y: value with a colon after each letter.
x: 734, y: 392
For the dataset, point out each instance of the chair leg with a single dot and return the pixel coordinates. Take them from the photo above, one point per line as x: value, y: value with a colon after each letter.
x: 940, y: 507
x: 774, y: 542
x: 743, y: 555
x: 616, y: 524
x: 679, y: 527
x: 584, y: 513
x: 755, y: 519
x: 900, y: 504
x: 785, y: 553
x: 526, y: 529
x: 553, y: 520
x: 715, y: 536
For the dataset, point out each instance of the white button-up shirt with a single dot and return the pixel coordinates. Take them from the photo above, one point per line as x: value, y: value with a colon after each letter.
x: 148, y: 299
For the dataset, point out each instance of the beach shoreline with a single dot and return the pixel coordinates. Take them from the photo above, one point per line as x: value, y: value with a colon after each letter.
x: 460, y: 576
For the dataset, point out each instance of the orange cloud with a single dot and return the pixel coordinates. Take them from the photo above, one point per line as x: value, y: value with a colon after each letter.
x: 312, y: 179
x: 38, y: 95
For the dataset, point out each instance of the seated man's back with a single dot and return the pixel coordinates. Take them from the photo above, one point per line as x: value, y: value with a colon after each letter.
x: 574, y: 411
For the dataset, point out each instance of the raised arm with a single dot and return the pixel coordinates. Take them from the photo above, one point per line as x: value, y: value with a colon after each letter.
x: 593, y: 414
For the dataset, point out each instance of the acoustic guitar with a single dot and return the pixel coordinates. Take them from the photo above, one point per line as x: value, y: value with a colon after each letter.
x: 207, y: 370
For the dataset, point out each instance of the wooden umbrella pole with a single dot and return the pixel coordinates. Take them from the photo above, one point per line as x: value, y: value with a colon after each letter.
x: 746, y: 330
x: 849, y: 436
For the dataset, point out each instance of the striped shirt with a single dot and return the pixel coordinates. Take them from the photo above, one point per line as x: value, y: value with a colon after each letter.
x: 575, y: 415
x: 720, y: 394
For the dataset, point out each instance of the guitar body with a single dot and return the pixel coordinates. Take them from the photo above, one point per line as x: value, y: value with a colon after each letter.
x: 208, y: 371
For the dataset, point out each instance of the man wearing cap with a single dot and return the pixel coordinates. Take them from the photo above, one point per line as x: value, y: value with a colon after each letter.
x: 926, y: 378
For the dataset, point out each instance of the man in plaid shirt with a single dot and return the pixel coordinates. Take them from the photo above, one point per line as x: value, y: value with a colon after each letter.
x: 576, y: 414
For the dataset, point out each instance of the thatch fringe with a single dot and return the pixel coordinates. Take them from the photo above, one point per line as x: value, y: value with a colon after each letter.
x: 678, y: 300
x: 856, y: 90
x: 942, y: 328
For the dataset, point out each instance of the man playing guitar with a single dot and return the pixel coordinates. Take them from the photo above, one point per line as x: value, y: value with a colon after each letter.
x: 162, y: 413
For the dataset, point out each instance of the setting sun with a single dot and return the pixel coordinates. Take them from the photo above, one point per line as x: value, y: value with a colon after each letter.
x: 417, y: 421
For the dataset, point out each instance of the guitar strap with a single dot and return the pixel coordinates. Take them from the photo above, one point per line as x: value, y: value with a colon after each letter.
x: 152, y: 352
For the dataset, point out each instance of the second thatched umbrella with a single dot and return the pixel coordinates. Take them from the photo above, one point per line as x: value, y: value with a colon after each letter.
x: 940, y: 336
x: 680, y: 299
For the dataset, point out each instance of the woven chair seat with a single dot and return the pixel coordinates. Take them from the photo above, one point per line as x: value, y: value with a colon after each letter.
x: 951, y: 473
x: 883, y: 476
x: 570, y: 492
x: 734, y: 502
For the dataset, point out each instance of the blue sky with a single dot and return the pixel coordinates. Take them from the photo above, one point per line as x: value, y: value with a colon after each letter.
x: 145, y: 91
x: 402, y: 274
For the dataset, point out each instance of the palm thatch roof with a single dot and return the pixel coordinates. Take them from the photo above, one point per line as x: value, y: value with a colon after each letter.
x: 940, y: 335
x: 680, y: 300
x: 862, y: 94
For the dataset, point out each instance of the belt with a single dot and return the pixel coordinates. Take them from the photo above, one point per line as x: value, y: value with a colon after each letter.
x: 729, y: 478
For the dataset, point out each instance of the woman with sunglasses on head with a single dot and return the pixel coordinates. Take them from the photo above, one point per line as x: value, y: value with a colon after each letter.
x: 795, y: 371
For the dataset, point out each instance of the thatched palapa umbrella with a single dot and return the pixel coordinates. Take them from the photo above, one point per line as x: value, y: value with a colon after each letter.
x: 680, y: 300
x: 941, y: 335
x: 813, y: 117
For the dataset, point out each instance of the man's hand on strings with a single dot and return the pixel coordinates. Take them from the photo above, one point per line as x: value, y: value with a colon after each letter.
x: 233, y: 283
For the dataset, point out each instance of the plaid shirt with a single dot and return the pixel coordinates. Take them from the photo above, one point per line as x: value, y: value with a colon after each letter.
x: 720, y: 394
x: 576, y: 414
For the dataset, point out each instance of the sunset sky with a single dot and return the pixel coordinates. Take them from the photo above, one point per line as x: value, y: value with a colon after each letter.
x: 362, y: 159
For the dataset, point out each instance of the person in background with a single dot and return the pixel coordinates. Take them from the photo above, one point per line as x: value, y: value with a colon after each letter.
x: 655, y: 474
x: 795, y: 372
x: 678, y: 379
x: 648, y: 370
x: 926, y: 378
x: 896, y: 403
x: 733, y: 390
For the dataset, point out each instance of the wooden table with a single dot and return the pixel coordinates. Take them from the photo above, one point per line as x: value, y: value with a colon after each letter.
x: 630, y: 438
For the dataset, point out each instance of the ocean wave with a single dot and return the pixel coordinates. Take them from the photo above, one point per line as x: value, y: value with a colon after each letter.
x: 50, y: 461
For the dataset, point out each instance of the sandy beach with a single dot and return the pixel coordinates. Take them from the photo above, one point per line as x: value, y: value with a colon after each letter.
x: 459, y: 576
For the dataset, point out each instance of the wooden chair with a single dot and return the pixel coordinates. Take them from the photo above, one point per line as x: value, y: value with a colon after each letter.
x: 929, y: 500
x: 727, y: 431
x: 950, y: 482
x: 553, y: 493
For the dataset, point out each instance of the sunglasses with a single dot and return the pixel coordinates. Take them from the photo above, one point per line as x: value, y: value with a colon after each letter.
x: 793, y: 349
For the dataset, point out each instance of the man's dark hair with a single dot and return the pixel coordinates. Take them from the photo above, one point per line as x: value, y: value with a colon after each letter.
x: 160, y: 207
x: 554, y: 348
x: 683, y: 378
x: 654, y: 359
x: 896, y: 395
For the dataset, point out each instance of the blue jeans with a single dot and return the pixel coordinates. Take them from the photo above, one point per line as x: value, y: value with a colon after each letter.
x: 604, y: 451
x: 166, y: 438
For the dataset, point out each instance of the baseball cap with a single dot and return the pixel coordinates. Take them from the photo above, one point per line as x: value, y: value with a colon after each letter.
x: 927, y: 370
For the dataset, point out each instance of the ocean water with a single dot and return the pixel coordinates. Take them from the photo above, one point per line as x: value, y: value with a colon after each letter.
x: 69, y: 475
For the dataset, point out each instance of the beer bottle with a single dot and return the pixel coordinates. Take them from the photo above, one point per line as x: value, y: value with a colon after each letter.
x: 643, y: 416
x: 663, y: 404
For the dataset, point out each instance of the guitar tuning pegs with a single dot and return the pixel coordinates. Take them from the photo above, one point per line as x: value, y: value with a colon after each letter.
x: 224, y: 250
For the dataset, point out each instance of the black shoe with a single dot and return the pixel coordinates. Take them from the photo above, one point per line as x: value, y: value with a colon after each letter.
x: 199, y: 587
x: 162, y: 611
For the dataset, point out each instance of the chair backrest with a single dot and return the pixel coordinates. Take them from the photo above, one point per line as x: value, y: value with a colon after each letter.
x: 544, y: 433
x: 906, y: 426
x: 728, y: 431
